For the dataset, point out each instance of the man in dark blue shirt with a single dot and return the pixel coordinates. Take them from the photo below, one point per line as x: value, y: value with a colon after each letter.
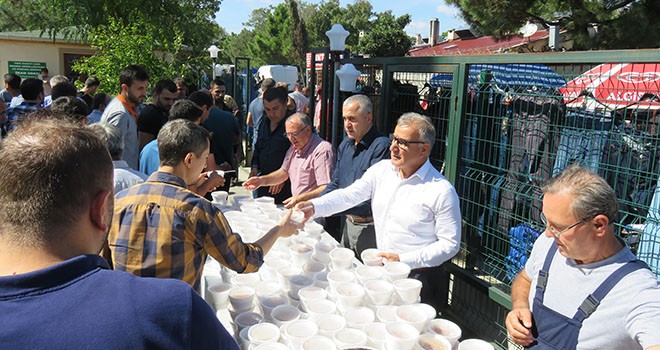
x: 272, y: 143
x: 56, y: 292
x: 363, y: 147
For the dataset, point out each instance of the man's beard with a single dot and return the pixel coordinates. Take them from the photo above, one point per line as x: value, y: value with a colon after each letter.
x: 133, y: 99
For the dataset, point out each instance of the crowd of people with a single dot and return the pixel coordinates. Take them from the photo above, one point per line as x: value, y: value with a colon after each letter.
x: 94, y: 183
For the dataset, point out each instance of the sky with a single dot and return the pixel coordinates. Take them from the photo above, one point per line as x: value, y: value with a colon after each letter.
x: 233, y: 13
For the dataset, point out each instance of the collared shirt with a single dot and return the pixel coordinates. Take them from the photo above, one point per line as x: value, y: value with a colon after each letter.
x: 310, y: 166
x: 271, y: 146
x: 118, y: 115
x: 94, y: 117
x: 161, y: 229
x: 151, y: 119
x: 225, y: 130
x: 15, y: 115
x: 354, y: 160
x: 126, y: 177
x: 418, y: 218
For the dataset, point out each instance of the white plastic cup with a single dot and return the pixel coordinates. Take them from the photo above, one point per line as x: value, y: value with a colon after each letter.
x: 359, y: 317
x: 311, y: 294
x: 297, y: 216
x: 300, y: 253
x: 386, y: 314
x: 375, y: 334
x: 408, y: 290
x: 400, y: 336
x: 370, y: 257
x: 266, y: 288
x: 367, y: 273
x: 298, y: 282
x: 220, y: 197
x: 241, y: 298
x: 269, y: 269
x: 263, y: 333
x: 349, y: 295
x: 445, y: 328
x: 300, y: 330
x: 350, y: 338
x: 330, y: 324
x: 247, y: 319
x: 432, y: 341
x: 320, y: 309
x: 342, y: 258
x: 338, y: 277
x: 314, y: 227
x: 311, y: 268
x: 322, y: 251
x: 284, y: 314
x: 321, y: 280
x: 246, y: 279
x: 243, y: 340
x: 412, y: 315
x: 270, y: 302
x: 474, y: 344
x: 318, y: 342
x: 219, y: 294
x: 379, y: 292
x: 396, y: 270
x: 429, y: 310
x: 283, y: 273
x: 271, y: 346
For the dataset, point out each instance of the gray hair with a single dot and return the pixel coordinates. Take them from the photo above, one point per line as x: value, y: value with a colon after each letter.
x: 304, y: 119
x: 111, y: 136
x: 363, y: 101
x: 592, y: 195
x: 58, y: 79
x: 179, y: 137
x: 422, y: 123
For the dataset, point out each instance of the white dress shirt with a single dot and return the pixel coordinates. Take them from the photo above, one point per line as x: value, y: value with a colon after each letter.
x: 418, y: 218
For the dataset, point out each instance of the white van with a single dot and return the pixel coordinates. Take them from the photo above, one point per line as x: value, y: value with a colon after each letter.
x: 279, y: 73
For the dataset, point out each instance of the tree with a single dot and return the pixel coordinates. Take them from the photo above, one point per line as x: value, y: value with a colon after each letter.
x: 272, y: 43
x: 121, y: 45
x: 300, y: 39
x: 593, y: 24
x: 386, y: 36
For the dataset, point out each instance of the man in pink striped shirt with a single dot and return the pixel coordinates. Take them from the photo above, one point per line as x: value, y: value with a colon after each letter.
x: 308, y: 163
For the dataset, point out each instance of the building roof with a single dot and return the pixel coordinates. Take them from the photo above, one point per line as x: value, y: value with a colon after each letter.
x: 476, y: 45
x: 43, y: 36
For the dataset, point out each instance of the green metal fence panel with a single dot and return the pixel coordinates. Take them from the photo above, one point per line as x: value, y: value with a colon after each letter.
x: 506, y: 124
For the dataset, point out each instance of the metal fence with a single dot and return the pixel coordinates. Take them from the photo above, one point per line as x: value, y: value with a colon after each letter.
x: 505, y: 124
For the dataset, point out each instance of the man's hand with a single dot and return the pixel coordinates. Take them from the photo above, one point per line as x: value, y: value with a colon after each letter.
x: 390, y: 257
x: 291, y: 201
x: 519, y: 324
x: 287, y: 226
x: 253, y: 183
x: 214, y: 180
x: 275, y: 189
x: 307, y: 208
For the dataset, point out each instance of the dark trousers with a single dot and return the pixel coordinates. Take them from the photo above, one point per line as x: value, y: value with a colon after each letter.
x: 435, y: 285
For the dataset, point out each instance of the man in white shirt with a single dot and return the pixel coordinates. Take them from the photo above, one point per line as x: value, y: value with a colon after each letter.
x: 416, y: 210
x: 299, y: 98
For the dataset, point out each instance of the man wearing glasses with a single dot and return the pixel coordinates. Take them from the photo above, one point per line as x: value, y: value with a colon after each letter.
x: 308, y: 163
x: 415, y: 209
x: 582, y: 287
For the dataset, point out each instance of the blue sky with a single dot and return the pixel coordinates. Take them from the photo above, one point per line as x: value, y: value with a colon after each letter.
x: 233, y: 13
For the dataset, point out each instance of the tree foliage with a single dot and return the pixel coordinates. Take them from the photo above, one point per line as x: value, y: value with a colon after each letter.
x: 272, y: 42
x: 593, y: 24
x: 386, y: 29
x: 119, y: 45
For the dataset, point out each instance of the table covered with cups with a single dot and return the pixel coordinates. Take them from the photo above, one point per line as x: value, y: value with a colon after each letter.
x: 310, y: 293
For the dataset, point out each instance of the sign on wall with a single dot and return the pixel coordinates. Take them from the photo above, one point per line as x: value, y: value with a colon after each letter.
x: 26, y: 69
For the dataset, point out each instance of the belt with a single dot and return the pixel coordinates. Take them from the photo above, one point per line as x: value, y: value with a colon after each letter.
x: 359, y: 219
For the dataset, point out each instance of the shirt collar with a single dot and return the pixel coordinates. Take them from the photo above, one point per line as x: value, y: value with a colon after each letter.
x: 161, y: 176
x: 369, y: 137
x: 129, y: 106
x: 420, y: 173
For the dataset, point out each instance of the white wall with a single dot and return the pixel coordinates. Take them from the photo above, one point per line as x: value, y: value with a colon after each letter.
x: 48, y: 52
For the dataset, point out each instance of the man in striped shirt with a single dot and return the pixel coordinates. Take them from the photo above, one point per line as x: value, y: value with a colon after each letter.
x: 162, y: 229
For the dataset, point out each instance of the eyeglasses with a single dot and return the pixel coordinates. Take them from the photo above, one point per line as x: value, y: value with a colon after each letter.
x: 295, y: 134
x: 403, y: 143
x: 559, y: 233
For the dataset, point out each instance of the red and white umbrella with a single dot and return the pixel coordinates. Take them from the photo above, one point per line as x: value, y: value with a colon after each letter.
x: 614, y: 86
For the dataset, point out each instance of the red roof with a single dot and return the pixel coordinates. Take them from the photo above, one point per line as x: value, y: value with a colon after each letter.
x: 475, y: 46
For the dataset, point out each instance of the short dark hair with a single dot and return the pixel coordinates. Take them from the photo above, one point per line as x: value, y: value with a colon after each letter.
x: 131, y: 74
x: 31, y: 88
x: 13, y: 81
x: 217, y: 82
x: 179, y: 137
x: 277, y: 93
x: 98, y: 100
x: 48, y: 182
x: 92, y: 81
x: 267, y: 84
x: 165, y: 84
x: 73, y: 107
x: 63, y: 89
x: 185, y: 109
x: 201, y: 98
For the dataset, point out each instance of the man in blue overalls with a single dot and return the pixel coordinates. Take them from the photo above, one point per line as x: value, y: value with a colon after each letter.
x: 582, y: 288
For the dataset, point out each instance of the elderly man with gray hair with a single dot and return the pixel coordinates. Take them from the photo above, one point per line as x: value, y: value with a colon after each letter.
x: 415, y: 209
x: 125, y: 176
